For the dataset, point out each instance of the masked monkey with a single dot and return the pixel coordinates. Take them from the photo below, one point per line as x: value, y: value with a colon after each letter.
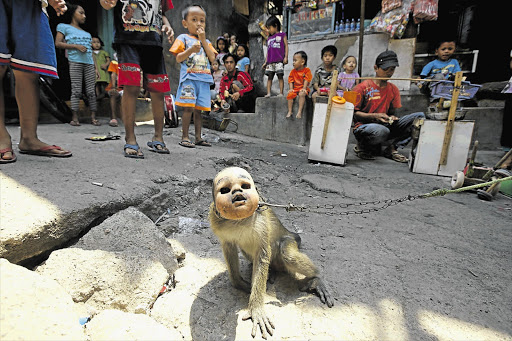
x: 263, y: 240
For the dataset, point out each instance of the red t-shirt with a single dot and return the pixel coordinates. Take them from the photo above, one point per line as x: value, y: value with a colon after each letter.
x: 375, y: 99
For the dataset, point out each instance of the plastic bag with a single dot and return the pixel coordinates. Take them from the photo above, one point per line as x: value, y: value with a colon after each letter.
x: 425, y: 10
x: 393, y: 22
x: 388, y: 5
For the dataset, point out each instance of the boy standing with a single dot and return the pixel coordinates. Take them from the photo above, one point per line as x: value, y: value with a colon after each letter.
x: 375, y: 122
x: 195, y: 53
x: 138, y: 42
x: 298, y: 80
x: 323, y: 75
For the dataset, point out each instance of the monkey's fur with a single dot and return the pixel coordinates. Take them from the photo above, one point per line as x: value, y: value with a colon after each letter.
x: 263, y: 240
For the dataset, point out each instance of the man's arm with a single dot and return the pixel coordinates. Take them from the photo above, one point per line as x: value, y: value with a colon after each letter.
x: 246, y: 81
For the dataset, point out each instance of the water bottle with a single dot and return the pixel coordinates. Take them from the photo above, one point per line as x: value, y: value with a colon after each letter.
x: 337, y: 27
x: 353, y: 25
x: 346, y: 27
x: 358, y: 25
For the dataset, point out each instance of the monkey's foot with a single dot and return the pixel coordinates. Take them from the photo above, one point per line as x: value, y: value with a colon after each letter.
x: 316, y: 286
x: 259, y: 319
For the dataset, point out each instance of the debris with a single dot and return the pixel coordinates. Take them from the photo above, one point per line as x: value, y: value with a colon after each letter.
x: 97, y: 184
x: 471, y: 272
x: 166, y: 214
x: 83, y: 320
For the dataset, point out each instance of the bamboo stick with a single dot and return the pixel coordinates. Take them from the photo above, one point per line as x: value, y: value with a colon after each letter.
x: 332, y: 93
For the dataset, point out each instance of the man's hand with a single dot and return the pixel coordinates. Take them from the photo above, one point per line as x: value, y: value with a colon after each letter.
x: 59, y: 6
x: 169, y: 32
x: 235, y: 96
x: 381, y: 117
x: 108, y: 4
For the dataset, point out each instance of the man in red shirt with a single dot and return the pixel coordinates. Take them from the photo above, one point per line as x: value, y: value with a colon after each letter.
x: 239, y: 86
x: 375, y: 122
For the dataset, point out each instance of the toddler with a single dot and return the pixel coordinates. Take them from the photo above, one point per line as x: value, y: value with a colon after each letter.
x: 194, y: 52
x: 232, y: 44
x: 114, y: 92
x: 78, y: 43
x: 217, y: 75
x: 101, y: 63
x: 323, y: 74
x: 346, y: 78
x: 298, y: 80
x: 244, y: 62
x: 277, y: 54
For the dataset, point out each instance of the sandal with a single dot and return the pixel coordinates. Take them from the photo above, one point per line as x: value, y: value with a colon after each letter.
x: 363, y: 154
x: 395, y: 156
x: 74, y: 123
x: 158, y: 147
x: 7, y: 150
x: 134, y: 147
x: 95, y: 122
x: 113, y: 123
x: 203, y: 143
x: 187, y: 144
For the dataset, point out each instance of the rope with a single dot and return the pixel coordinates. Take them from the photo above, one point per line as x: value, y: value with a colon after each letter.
x: 444, y: 191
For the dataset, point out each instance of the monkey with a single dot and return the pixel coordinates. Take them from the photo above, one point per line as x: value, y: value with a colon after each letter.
x: 238, y: 224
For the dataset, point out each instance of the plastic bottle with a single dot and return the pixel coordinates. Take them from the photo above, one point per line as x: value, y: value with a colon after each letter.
x: 346, y: 27
x: 336, y: 27
x: 353, y: 25
x: 358, y: 25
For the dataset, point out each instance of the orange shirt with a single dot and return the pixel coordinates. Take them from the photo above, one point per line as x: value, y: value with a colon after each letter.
x: 114, y: 68
x: 297, y: 77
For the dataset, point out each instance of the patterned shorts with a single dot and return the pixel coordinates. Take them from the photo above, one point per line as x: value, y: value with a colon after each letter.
x: 274, y: 68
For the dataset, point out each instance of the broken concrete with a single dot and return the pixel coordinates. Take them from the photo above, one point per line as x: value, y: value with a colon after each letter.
x: 120, y: 264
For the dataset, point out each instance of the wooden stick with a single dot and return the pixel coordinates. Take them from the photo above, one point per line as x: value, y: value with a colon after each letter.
x: 451, y: 119
x: 332, y: 92
x: 398, y: 79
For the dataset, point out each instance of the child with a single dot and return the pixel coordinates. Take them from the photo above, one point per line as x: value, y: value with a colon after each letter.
x: 232, y: 44
x: 444, y: 66
x: 323, y: 75
x: 139, y: 47
x: 78, y: 44
x: 27, y: 19
x: 298, y: 80
x: 277, y: 54
x: 217, y: 75
x: 114, y: 91
x: 222, y: 49
x: 346, y: 79
x: 101, y: 63
x: 194, y: 52
x: 244, y: 62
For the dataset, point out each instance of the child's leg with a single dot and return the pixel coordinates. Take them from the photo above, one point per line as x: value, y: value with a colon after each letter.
x: 302, y: 100
x: 157, y: 106
x: 269, y: 85
x: 75, y: 75
x: 90, y: 83
x: 5, y: 138
x: 281, y: 84
x: 314, y: 96
x: 290, y: 108
x: 185, y: 122
x: 197, y: 124
x: 114, y: 95
x: 27, y: 97
x: 128, y: 105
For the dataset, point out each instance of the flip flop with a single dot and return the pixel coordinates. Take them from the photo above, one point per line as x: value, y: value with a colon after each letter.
x: 47, y: 151
x: 113, y: 123
x: 187, y: 144
x: 134, y: 147
x: 396, y: 156
x: 203, y: 143
x: 153, y: 147
x: 95, y: 122
x: 7, y: 150
x: 363, y: 154
x: 74, y: 123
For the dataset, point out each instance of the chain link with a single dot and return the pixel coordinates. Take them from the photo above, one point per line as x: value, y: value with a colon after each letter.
x: 328, y: 209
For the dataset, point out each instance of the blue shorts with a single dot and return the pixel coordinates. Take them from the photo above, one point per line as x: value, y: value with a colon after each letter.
x: 26, y: 41
x: 194, y: 94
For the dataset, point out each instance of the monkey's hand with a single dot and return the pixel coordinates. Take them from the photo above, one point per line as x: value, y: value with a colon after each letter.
x: 316, y: 286
x: 259, y: 318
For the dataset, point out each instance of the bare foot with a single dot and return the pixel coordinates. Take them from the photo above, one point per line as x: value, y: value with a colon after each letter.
x: 299, y: 115
x: 290, y: 114
x: 267, y: 95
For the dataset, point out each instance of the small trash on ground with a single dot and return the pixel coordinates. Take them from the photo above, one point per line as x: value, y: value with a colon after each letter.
x: 83, y: 320
x: 190, y: 224
x: 104, y: 137
x: 166, y: 214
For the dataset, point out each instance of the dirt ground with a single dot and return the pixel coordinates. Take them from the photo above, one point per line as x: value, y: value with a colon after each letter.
x: 424, y: 269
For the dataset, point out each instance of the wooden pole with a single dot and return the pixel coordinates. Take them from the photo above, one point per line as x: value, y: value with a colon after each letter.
x: 332, y: 93
x: 361, y: 37
x: 451, y: 119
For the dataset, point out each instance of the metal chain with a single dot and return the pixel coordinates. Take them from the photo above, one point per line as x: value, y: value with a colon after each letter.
x: 328, y: 208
